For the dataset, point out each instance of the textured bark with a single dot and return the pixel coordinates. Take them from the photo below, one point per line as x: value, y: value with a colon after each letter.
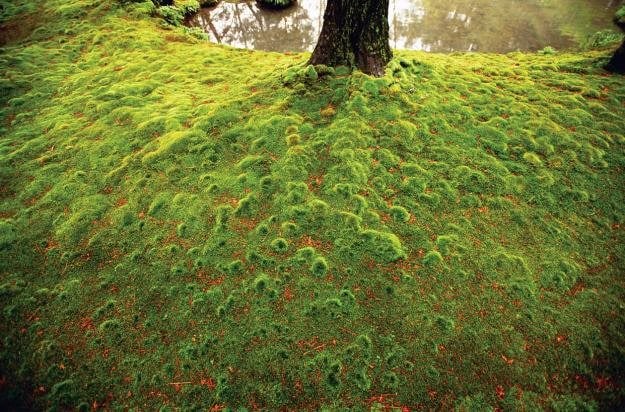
x: 355, y: 33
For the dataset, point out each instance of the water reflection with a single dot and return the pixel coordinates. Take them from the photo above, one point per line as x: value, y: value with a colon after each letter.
x: 430, y: 25
x: 245, y: 25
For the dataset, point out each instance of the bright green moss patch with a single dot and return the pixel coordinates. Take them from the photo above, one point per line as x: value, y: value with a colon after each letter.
x: 432, y: 258
x: 400, y: 213
x: 280, y: 245
x: 385, y: 247
x: 190, y: 226
x: 532, y: 158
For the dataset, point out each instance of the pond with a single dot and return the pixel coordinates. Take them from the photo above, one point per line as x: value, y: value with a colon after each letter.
x: 429, y: 25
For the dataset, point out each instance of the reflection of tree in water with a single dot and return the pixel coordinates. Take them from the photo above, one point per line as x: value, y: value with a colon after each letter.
x: 579, y: 19
x: 488, y: 25
x: 405, y: 17
x: 494, y: 25
x: 431, y: 25
x: 243, y: 24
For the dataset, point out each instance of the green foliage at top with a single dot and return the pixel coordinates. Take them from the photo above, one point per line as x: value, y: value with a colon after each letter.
x: 602, y: 39
x: 174, y: 12
x: 620, y: 15
x: 190, y: 226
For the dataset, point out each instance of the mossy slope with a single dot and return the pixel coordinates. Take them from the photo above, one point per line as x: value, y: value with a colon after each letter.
x: 185, y: 225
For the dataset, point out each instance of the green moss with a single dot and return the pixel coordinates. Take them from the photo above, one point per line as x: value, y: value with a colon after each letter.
x: 290, y: 229
x: 280, y: 245
x: 310, y: 72
x: 261, y: 283
x: 384, y: 247
x: 319, y: 266
x: 85, y: 211
x: 169, y: 207
x: 432, y: 258
x: 171, y: 14
x: 182, y: 229
x: 110, y: 325
x: 390, y: 380
x: 305, y: 254
x: 445, y: 324
x: 224, y: 212
x: 473, y: 402
x: 560, y: 275
x: 251, y: 162
x: 620, y: 14
x: 333, y: 378
x: 361, y: 379
x: 532, y: 158
x: 445, y: 242
x: 160, y: 202
x: 262, y: 229
x: 400, y: 214
x: 293, y: 139
x: 347, y: 297
x: 8, y: 235
x: 178, y: 270
x: 235, y: 267
x: 63, y: 394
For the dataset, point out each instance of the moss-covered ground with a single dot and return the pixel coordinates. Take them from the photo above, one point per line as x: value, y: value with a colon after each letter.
x: 188, y: 226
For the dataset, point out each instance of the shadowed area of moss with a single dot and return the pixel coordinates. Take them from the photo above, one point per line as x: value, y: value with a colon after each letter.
x: 184, y: 225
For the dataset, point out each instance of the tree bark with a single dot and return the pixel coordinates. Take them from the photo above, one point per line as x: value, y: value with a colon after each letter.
x: 617, y: 62
x: 355, y: 33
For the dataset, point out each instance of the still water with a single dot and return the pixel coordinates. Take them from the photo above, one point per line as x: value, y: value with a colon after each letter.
x: 429, y: 25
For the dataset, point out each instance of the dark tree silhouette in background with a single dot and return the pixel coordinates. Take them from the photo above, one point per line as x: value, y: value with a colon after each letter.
x: 355, y: 33
x: 617, y: 63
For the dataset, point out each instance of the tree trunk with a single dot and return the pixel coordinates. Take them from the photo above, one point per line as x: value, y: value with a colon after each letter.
x: 355, y: 33
x: 617, y: 63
